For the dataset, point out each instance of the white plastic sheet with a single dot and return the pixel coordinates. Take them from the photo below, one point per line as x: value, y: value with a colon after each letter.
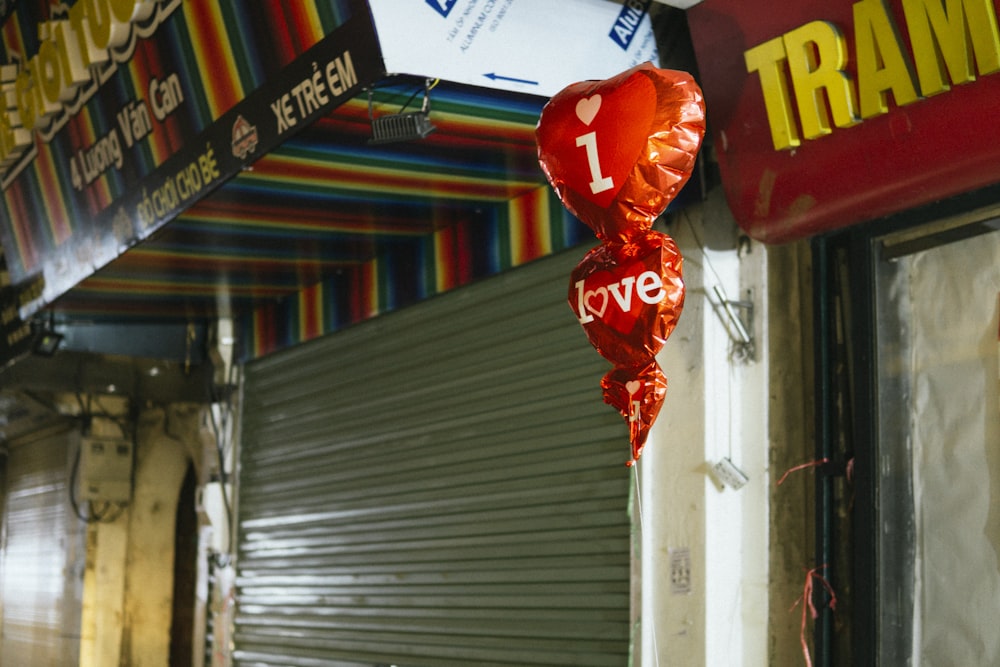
x: 954, y: 413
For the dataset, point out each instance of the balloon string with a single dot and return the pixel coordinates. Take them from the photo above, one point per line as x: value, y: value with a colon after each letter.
x: 806, y: 600
x: 642, y: 530
x: 802, y: 466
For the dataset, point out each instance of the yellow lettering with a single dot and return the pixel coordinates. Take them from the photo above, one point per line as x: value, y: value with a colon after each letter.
x: 768, y: 60
x: 940, y: 32
x: 34, y: 94
x: 143, y: 10
x: 71, y: 55
x: 983, y: 30
x: 122, y: 13
x: 817, y: 56
x: 48, y: 76
x: 25, y: 101
x: 13, y: 137
x: 99, y: 24
x: 128, y: 11
x: 7, y: 145
x: 78, y: 19
x: 882, y: 65
x: 951, y: 42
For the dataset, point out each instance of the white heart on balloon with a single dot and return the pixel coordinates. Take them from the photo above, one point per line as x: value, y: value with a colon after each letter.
x: 603, y: 293
x: 587, y: 109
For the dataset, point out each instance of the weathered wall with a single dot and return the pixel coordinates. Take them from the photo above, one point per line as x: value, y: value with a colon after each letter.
x: 791, y: 443
x: 705, y: 544
x: 128, y: 598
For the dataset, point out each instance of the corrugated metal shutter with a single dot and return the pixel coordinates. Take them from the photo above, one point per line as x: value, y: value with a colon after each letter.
x: 440, y: 486
x: 43, y: 556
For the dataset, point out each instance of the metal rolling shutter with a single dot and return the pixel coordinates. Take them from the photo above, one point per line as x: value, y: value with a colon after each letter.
x: 43, y: 555
x: 440, y: 486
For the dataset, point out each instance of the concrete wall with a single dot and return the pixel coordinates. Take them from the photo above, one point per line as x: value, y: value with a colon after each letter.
x: 720, y: 565
x: 128, y: 583
x: 790, y: 442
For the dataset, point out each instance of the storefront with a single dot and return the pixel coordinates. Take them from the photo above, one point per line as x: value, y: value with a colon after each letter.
x: 186, y: 181
x: 866, y: 128
x: 361, y: 347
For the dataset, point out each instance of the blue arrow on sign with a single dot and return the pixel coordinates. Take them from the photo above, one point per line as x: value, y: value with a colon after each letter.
x: 497, y: 77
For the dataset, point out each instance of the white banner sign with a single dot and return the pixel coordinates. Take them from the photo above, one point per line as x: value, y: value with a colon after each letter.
x: 528, y: 46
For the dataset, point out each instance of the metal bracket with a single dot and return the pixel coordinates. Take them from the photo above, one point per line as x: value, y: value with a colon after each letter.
x: 402, y: 125
x: 739, y: 325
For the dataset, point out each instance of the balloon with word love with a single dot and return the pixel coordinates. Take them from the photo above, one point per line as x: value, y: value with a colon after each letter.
x: 618, y: 151
x: 637, y: 392
x: 628, y: 297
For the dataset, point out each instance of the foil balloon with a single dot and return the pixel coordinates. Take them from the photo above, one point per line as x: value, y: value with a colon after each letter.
x: 637, y: 393
x: 617, y: 151
x: 628, y: 297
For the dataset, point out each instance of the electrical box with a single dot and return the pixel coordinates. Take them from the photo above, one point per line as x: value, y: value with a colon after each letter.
x: 213, y: 510
x: 105, y: 469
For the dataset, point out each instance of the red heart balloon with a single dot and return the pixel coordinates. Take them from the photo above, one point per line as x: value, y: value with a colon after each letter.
x: 618, y: 151
x: 628, y: 297
x: 638, y: 393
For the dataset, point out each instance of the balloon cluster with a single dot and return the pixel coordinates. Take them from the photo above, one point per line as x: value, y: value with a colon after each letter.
x: 617, y: 152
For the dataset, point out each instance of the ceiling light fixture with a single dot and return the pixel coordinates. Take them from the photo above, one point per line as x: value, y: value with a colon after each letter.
x: 402, y: 125
x: 47, y: 339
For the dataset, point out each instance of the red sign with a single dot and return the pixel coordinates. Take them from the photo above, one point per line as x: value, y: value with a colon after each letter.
x: 826, y: 114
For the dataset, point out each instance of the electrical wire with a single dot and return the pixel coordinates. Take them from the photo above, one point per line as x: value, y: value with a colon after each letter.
x: 105, y: 513
x: 701, y: 246
x: 742, y: 349
x: 428, y: 87
x: 222, y: 430
x: 94, y: 515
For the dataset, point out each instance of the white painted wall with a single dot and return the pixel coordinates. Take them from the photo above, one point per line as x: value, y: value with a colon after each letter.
x: 716, y: 408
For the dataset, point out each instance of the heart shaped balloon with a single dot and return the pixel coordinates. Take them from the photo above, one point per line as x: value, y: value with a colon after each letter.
x: 618, y: 151
x: 629, y: 296
x: 637, y: 393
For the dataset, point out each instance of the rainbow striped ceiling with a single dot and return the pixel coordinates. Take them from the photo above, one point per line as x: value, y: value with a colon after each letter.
x: 133, y: 203
x: 326, y: 229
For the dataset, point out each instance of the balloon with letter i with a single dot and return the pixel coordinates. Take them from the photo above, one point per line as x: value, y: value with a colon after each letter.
x: 617, y: 152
